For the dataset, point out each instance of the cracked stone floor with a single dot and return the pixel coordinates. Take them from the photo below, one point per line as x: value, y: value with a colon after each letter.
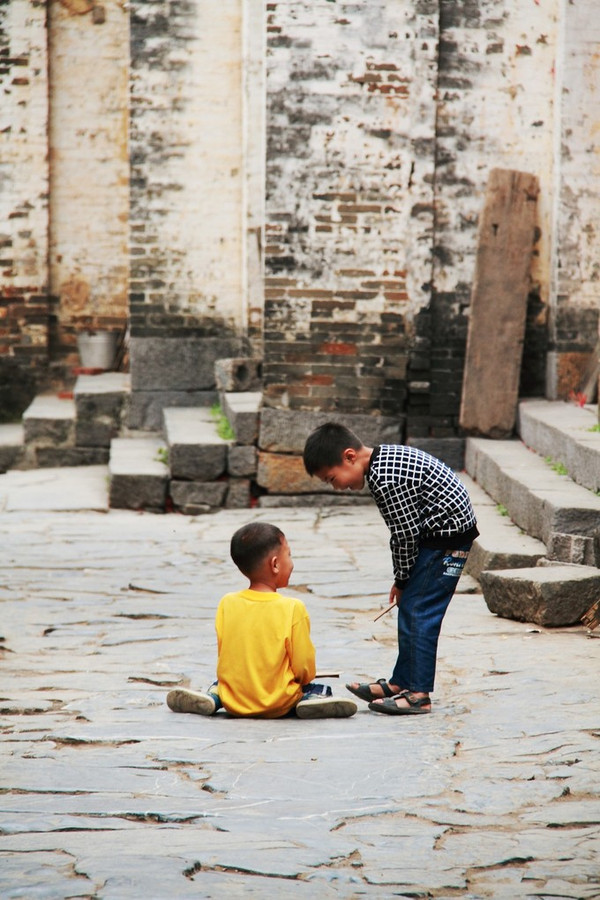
x: 105, y: 793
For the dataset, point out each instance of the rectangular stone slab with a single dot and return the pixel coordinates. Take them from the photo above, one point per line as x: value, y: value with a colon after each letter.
x: 552, y: 596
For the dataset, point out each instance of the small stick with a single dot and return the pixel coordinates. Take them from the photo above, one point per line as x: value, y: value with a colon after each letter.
x: 327, y: 675
x: 390, y: 607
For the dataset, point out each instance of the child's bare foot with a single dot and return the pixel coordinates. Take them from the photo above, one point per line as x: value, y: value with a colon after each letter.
x: 377, y: 690
x: 406, y: 703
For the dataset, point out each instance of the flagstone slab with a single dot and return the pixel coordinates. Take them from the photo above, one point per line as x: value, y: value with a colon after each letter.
x: 54, y: 490
x: 553, y: 596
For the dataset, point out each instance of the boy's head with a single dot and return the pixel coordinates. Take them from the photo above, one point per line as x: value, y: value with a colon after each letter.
x: 258, y: 546
x: 337, y: 456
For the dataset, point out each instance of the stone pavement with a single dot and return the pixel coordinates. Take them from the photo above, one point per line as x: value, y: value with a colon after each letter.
x: 107, y: 794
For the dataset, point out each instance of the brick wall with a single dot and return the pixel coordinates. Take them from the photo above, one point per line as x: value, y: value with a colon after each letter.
x: 350, y: 130
x: 23, y: 203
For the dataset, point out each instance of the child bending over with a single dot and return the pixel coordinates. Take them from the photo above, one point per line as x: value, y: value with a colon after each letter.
x: 266, y: 659
x: 432, y: 525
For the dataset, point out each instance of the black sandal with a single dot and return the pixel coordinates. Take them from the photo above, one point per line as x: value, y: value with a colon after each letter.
x: 365, y: 693
x: 414, y: 708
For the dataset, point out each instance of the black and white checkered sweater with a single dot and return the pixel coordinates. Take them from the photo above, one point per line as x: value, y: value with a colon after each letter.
x: 422, y: 502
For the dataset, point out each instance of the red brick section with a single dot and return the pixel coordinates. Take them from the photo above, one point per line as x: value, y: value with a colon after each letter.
x: 23, y: 325
x: 338, y: 349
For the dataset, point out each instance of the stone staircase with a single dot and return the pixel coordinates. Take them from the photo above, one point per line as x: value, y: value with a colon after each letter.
x: 187, y: 466
x: 547, y: 484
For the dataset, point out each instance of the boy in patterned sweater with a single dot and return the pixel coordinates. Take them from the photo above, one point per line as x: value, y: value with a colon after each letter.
x: 432, y: 526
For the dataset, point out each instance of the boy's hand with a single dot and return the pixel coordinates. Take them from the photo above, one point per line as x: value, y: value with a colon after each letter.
x: 395, y: 595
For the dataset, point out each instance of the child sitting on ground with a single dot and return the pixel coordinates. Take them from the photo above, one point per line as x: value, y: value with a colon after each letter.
x: 432, y: 526
x: 266, y: 659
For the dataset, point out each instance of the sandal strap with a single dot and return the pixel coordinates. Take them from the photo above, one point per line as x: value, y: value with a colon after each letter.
x: 415, y: 701
x: 387, y: 691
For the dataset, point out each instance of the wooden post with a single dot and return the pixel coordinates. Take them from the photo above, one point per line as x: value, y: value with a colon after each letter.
x: 507, y: 233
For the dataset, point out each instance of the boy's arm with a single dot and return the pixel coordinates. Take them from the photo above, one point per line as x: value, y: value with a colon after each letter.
x: 302, y: 651
x: 404, y: 555
x: 398, y: 504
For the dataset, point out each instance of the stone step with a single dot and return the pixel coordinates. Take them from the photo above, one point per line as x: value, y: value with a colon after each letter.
x: 242, y: 409
x: 566, y: 433
x: 551, y: 595
x: 49, y: 425
x: 543, y: 503
x: 12, y: 446
x: 196, y: 452
x: 100, y: 402
x: 49, y: 420
x: 138, y: 475
x: 501, y: 544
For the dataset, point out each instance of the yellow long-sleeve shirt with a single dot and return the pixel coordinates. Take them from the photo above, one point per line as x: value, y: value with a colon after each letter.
x: 265, y: 653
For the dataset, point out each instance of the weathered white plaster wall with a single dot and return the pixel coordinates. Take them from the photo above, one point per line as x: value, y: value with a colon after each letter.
x: 254, y: 149
x: 189, y: 140
x: 89, y: 162
x: 577, y: 262
x: 496, y: 110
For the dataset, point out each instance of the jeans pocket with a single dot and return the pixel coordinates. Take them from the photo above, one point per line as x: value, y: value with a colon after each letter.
x: 454, y: 562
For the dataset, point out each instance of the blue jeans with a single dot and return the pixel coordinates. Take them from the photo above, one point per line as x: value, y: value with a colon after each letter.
x: 308, y: 692
x: 423, y: 604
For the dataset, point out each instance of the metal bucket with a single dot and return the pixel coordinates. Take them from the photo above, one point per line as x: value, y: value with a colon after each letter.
x: 97, y: 350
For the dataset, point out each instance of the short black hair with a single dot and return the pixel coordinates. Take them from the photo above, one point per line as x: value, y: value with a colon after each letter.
x: 251, y: 543
x: 326, y: 444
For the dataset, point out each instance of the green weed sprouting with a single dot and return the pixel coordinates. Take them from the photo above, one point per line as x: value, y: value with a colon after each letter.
x: 501, y: 509
x: 558, y: 467
x: 595, y: 427
x: 224, y: 429
x: 162, y: 455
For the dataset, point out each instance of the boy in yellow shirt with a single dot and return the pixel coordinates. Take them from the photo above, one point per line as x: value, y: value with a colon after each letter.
x: 266, y: 659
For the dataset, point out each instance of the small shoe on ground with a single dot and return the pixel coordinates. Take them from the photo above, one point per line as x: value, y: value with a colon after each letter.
x: 364, y: 692
x: 417, y: 706
x: 184, y: 701
x: 326, y: 708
